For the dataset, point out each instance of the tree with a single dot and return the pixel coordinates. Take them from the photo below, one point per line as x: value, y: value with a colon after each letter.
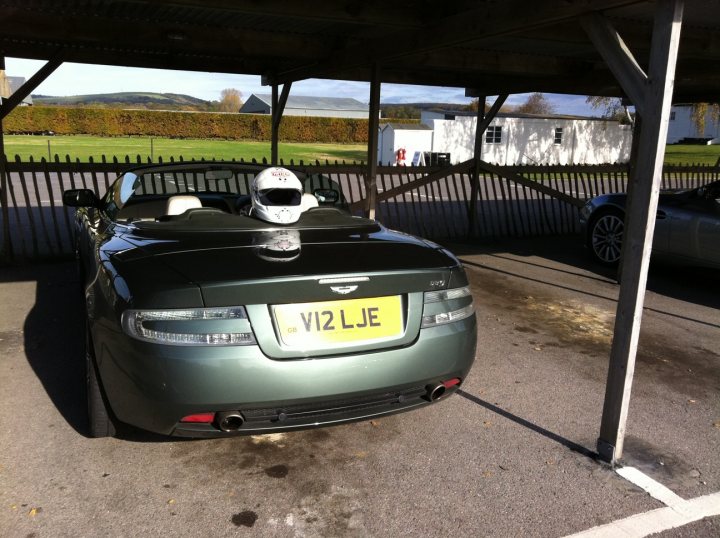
x: 536, y: 103
x: 473, y: 105
x: 699, y: 115
x: 400, y: 111
x: 230, y: 100
x: 616, y: 110
x: 612, y: 107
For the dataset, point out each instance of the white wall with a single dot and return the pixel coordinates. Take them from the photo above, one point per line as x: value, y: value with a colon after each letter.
x: 682, y: 126
x: 531, y: 141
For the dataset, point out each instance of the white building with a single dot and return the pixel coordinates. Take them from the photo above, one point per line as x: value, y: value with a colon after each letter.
x: 298, y: 105
x: 682, y: 127
x: 414, y: 138
x: 9, y: 85
x: 513, y: 139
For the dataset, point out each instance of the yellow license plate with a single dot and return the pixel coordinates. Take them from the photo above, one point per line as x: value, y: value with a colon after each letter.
x: 309, y: 325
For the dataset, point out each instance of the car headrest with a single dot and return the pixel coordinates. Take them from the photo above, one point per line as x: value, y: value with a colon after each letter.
x: 177, y: 205
x: 308, y: 202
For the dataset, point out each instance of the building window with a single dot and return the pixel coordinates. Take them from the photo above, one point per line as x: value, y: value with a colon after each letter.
x: 672, y: 115
x: 493, y: 135
x: 558, y: 135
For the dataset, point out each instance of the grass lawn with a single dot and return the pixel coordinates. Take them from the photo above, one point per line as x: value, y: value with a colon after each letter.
x: 691, y: 154
x: 84, y: 147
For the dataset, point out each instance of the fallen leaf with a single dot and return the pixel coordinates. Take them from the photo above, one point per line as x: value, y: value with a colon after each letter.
x: 171, y: 501
x: 487, y: 423
x: 374, y: 423
x: 13, y: 507
x: 692, y: 401
x: 361, y: 454
x: 538, y: 348
x: 717, y: 424
x: 34, y: 511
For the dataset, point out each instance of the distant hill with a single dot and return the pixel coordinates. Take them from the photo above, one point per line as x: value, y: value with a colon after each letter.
x: 145, y: 100
x: 412, y: 110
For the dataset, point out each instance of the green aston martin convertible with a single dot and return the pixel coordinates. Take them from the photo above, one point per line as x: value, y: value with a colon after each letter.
x: 225, y: 299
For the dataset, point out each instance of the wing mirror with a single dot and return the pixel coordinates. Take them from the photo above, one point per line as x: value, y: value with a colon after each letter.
x: 80, y: 198
x: 326, y: 196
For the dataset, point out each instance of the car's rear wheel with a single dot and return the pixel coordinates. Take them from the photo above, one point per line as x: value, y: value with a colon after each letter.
x: 606, y: 237
x: 100, y: 421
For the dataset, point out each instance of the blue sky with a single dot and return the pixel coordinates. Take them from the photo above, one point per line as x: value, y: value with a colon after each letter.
x: 81, y: 79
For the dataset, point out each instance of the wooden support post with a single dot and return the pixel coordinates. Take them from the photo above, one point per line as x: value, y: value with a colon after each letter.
x: 274, y: 132
x: 278, y: 107
x: 655, y: 93
x: 483, y: 120
x: 632, y: 171
x: 373, y: 124
x: 6, y: 241
x: 475, y: 177
x: 7, y: 106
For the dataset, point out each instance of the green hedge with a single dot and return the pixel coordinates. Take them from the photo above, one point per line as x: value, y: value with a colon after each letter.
x: 118, y: 122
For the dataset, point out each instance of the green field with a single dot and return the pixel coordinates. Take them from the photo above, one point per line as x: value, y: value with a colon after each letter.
x: 692, y: 154
x: 86, y: 147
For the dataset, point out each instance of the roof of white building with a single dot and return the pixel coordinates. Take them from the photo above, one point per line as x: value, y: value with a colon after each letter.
x: 473, y: 113
x: 317, y: 103
x: 406, y: 126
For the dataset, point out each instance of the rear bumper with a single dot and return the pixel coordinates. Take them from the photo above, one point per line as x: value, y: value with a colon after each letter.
x: 321, y: 413
x: 152, y: 386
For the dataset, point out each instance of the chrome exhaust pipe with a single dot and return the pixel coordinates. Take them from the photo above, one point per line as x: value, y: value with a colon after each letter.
x: 229, y: 421
x: 435, y: 391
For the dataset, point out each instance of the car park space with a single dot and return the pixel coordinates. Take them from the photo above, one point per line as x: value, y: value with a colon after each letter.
x: 512, y: 454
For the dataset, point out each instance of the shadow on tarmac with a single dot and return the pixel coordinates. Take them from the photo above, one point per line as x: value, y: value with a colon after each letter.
x: 54, y: 341
x: 696, y: 285
x: 531, y: 426
x: 53, y: 336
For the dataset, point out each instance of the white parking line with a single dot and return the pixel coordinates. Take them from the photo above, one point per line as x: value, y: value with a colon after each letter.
x: 655, y: 489
x: 677, y: 513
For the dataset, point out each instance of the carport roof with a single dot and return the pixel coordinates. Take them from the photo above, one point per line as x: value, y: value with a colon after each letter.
x: 492, y: 46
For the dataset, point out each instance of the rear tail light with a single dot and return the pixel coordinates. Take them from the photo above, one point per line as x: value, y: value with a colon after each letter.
x: 190, y: 327
x: 452, y: 313
x: 447, y: 295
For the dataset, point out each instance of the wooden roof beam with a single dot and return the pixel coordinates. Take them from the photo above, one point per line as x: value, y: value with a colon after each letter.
x: 26, y: 89
x: 345, y: 11
x: 618, y: 57
x: 465, y: 27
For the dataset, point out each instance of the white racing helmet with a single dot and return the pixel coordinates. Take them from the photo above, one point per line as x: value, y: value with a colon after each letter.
x: 276, y: 196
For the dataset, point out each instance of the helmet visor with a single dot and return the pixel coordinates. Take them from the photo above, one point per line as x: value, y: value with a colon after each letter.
x: 275, y: 197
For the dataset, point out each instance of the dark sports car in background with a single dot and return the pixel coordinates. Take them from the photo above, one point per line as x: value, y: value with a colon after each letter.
x: 687, y: 226
x: 207, y: 322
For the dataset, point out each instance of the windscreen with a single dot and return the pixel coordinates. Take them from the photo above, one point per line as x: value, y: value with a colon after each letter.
x: 193, y: 181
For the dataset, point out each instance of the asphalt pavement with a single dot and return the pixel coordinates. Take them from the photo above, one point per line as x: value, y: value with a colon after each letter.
x: 512, y: 454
